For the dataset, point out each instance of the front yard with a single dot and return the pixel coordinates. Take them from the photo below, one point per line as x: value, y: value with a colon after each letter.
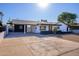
x: 38, y: 46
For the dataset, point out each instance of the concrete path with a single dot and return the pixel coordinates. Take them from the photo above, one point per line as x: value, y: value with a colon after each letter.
x: 38, y: 46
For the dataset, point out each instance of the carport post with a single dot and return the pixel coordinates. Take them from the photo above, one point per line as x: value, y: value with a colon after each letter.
x: 7, y: 30
x: 24, y: 29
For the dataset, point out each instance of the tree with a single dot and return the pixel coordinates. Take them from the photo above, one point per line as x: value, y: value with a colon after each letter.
x: 67, y: 18
x: 1, y: 15
x: 1, y: 26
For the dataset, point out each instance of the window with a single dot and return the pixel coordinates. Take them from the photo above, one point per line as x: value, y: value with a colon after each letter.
x: 55, y: 28
x: 20, y: 27
x: 28, y: 26
x: 43, y: 28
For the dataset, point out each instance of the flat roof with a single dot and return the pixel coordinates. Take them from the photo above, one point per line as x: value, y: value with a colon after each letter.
x: 24, y: 22
x: 14, y: 21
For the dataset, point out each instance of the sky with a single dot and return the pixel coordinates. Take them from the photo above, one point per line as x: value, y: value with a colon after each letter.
x: 32, y: 11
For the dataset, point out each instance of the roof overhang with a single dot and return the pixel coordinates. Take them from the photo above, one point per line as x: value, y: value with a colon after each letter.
x: 27, y: 22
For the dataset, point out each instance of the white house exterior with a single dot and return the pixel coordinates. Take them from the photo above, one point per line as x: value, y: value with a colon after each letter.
x: 27, y: 26
x: 63, y: 27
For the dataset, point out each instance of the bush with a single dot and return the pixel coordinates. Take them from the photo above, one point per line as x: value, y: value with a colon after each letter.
x: 46, y: 32
x: 60, y: 32
x: 1, y: 29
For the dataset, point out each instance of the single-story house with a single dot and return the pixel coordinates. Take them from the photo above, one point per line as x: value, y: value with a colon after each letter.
x: 28, y: 26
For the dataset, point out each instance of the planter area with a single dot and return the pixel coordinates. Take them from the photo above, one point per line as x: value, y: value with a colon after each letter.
x: 51, y: 32
x: 46, y: 32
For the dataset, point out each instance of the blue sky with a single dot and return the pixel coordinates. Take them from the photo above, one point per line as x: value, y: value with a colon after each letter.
x: 31, y: 11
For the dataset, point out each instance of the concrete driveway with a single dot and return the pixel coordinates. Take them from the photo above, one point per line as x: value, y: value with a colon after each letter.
x: 35, y: 45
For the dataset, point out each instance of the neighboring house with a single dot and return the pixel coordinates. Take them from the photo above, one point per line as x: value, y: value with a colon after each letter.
x: 28, y: 26
x: 75, y: 28
x: 72, y: 28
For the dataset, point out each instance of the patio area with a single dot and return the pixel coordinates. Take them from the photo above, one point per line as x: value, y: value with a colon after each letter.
x: 37, y: 45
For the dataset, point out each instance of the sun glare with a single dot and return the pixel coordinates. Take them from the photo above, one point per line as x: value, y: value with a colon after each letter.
x: 42, y: 5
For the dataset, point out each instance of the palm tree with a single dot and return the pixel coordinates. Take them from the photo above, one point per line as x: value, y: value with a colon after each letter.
x: 67, y: 18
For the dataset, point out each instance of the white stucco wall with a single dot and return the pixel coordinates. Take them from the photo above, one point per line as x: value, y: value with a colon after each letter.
x: 37, y: 29
x: 63, y: 27
x: 47, y: 28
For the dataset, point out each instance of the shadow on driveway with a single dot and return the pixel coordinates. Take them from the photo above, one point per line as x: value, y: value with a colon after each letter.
x: 71, y: 37
x: 19, y: 34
